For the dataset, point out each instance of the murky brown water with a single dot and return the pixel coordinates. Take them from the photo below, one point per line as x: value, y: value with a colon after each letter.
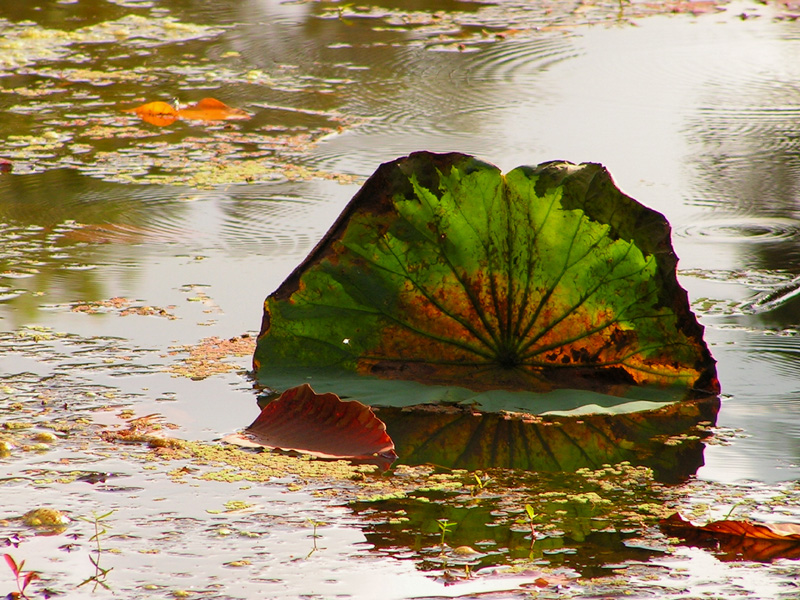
x: 695, y: 116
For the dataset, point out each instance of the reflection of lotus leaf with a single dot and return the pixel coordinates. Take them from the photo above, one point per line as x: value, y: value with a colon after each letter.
x: 443, y: 270
x: 562, y: 430
x: 460, y: 437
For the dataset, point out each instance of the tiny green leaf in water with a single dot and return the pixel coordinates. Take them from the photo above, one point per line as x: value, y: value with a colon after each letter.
x: 531, y: 513
x: 480, y: 484
x: 445, y: 526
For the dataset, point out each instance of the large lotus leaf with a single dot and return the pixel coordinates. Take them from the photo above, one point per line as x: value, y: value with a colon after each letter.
x: 443, y: 270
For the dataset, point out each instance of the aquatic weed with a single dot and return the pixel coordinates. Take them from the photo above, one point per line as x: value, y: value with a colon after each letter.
x: 100, y: 574
x: 445, y: 526
x: 23, y: 578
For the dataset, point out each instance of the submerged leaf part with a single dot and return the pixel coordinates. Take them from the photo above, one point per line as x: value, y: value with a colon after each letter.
x: 443, y: 270
x: 321, y: 425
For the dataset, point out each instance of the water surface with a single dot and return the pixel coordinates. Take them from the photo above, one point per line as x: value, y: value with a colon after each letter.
x: 697, y: 117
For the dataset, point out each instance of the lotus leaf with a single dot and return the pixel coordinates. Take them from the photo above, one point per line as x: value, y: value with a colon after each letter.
x: 443, y: 270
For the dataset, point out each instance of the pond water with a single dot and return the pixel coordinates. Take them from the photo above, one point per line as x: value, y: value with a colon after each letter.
x: 190, y: 226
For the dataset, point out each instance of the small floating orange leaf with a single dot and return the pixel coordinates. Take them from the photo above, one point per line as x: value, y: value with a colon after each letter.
x: 211, y: 109
x: 208, y: 109
x: 156, y: 113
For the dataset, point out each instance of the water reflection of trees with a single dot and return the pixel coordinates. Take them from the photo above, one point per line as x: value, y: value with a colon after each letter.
x: 56, y: 226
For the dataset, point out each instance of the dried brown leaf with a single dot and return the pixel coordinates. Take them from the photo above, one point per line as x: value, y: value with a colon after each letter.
x: 740, y: 539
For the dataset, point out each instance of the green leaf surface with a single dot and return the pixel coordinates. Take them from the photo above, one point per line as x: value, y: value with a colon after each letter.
x: 444, y: 271
x: 374, y: 391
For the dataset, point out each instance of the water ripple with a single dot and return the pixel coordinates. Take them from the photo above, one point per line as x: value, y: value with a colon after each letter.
x: 742, y: 229
x: 504, y: 63
x: 442, y: 99
x: 747, y: 130
x: 279, y: 226
x: 111, y: 209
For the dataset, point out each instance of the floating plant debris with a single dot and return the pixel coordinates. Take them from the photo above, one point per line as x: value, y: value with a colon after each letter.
x: 207, y: 109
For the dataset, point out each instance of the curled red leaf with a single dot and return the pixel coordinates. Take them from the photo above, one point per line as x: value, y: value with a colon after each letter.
x: 324, y: 426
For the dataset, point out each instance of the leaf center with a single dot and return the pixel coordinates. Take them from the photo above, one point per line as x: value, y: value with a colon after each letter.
x: 508, y: 358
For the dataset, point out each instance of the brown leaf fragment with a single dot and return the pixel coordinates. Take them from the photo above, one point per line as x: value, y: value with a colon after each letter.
x: 694, y: 7
x: 766, y: 531
x: 324, y: 426
x: 746, y: 540
x: 122, y: 306
x: 208, y: 357
x: 148, y: 430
